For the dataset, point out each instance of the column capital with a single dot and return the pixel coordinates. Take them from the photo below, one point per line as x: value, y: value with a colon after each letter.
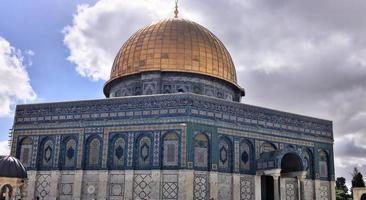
x: 275, y: 176
x: 301, y: 175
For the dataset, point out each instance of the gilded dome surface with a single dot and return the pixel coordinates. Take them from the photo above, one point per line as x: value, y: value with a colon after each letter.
x: 174, y: 45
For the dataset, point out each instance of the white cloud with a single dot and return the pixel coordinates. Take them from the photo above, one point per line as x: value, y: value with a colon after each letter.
x: 98, y: 31
x: 4, y: 148
x: 306, y: 57
x: 14, y: 80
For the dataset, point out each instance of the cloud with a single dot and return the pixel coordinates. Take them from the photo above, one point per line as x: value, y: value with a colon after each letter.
x: 4, y: 148
x: 14, y: 80
x: 98, y: 31
x: 306, y: 57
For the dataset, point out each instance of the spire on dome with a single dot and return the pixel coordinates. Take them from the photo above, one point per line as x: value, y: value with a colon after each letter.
x: 176, y: 9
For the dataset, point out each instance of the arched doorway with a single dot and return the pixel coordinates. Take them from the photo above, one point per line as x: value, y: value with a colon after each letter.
x: 363, y: 197
x: 291, y: 163
x: 6, y: 192
x: 291, y: 169
x: 267, y: 187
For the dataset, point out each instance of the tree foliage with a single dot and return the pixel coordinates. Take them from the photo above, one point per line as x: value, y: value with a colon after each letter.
x: 357, y: 179
x: 341, y: 184
x: 341, y: 189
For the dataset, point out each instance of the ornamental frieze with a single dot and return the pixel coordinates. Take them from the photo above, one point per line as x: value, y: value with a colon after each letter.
x: 171, y: 106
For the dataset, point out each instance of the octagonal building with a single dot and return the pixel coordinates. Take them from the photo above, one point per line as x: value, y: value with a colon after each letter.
x: 172, y: 126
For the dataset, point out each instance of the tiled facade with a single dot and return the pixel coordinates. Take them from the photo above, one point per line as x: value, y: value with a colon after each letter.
x: 172, y: 146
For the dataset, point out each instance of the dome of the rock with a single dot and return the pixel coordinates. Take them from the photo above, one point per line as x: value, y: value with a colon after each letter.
x: 174, y: 45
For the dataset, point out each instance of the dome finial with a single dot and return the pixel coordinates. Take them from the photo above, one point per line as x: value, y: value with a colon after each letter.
x: 176, y: 9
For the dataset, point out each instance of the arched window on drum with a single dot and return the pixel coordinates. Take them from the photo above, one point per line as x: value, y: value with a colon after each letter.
x: 69, y: 153
x: 201, y: 151
x: 225, y: 154
x: 170, y: 149
x: 246, y: 154
x: 94, y: 148
x: 25, y: 155
x: 144, y: 152
x: 323, y: 164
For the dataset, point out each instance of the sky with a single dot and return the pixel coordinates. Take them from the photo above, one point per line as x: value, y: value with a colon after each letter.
x: 306, y: 57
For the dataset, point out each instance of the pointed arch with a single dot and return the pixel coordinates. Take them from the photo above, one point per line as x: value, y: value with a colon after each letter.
x: 201, y: 151
x: 117, y: 152
x: 46, y: 153
x: 25, y: 151
x: 143, y: 152
x: 246, y: 155
x: 68, y: 152
x: 225, y: 154
x: 291, y: 162
x: 170, y: 150
x: 323, y: 164
x: 93, y: 154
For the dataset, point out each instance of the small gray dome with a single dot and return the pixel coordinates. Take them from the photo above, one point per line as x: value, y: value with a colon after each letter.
x: 12, y: 168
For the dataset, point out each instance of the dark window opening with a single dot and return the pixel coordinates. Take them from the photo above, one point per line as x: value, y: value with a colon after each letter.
x: 290, y: 163
x: 267, y: 187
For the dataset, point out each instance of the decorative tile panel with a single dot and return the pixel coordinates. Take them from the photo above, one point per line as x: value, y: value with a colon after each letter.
x: 94, y: 130
x: 236, y: 156
x: 246, y: 188
x: 57, y: 151
x: 80, y: 149
x: 105, y: 148
x: 264, y: 137
x: 130, y: 148
x: 169, y: 187
x: 142, y: 186
x: 201, y: 187
x: 116, y: 186
x: 324, y: 191
x: 66, y: 186
x: 90, y: 190
x: 43, y: 186
x: 156, y: 147
x: 90, y: 185
x: 183, y: 146
x: 291, y: 189
x: 225, y: 186
x: 35, y: 150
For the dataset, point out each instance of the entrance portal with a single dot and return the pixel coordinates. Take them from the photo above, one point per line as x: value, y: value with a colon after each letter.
x: 267, y: 187
x: 291, y: 163
x: 363, y: 197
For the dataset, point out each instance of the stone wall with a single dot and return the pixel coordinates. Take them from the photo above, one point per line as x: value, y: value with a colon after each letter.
x: 139, y: 184
x: 164, y: 184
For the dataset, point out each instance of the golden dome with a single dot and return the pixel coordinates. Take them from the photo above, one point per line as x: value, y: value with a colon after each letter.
x: 174, y: 45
